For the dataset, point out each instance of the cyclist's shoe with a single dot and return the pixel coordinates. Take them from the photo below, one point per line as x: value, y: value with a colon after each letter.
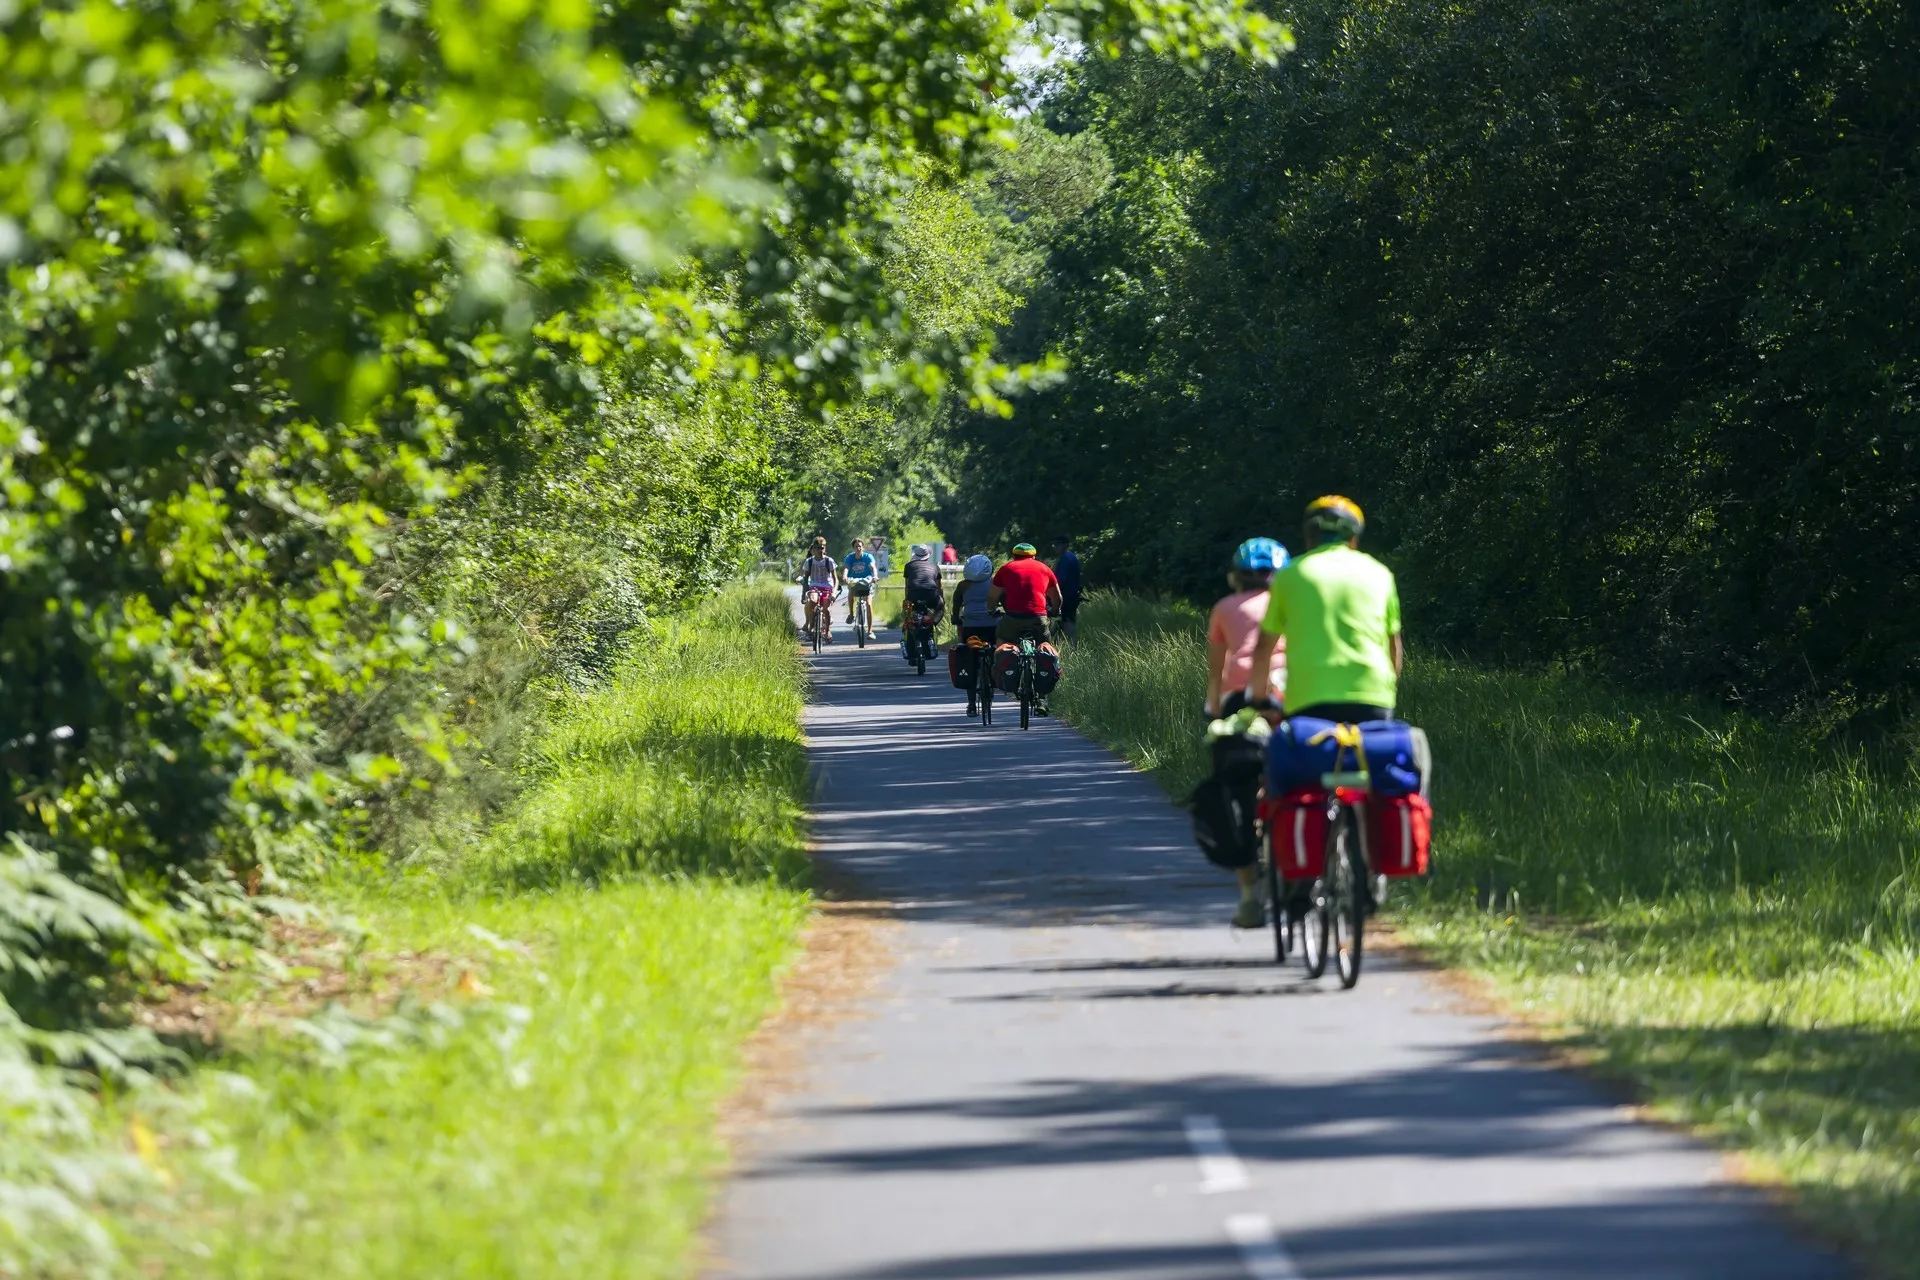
x: 1040, y: 708
x: 973, y: 706
x: 1251, y: 914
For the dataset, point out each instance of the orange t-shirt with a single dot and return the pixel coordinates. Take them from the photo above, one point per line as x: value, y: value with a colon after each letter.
x: 1235, y: 622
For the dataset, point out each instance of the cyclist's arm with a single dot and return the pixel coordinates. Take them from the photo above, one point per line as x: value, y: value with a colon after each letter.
x: 1053, y: 596
x: 1396, y: 648
x: 1216, y: 658
x: 1260, y: 680
x: 995, y: 595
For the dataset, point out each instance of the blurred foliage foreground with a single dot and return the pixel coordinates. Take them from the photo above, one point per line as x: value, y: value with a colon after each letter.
x: 370, y: 374
x: 1712, y: 906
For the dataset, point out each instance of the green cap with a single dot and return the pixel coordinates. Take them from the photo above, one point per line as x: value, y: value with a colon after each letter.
x: 1024, y: 549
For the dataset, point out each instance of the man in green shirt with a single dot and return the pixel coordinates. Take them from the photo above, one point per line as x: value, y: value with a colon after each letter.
x: 1340, y: 612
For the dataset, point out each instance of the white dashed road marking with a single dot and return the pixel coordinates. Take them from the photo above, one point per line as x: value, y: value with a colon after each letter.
x: 1260, y: 1247
x: 1220, y: 1169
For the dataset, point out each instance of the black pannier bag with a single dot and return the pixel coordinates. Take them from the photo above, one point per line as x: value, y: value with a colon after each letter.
x: 1222, y: 807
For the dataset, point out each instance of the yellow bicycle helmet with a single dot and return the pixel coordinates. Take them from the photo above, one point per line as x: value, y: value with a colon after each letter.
x: 1335, y: 519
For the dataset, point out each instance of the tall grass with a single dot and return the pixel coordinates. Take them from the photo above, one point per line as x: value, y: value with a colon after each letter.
x: 553, y: 1113
x: 692, y: 763
x: 1720, y: 908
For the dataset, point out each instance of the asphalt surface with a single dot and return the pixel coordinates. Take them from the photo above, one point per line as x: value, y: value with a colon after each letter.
x: 1075, y: 1068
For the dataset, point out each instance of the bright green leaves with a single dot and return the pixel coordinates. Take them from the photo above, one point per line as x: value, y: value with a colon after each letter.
x: 327, y: 320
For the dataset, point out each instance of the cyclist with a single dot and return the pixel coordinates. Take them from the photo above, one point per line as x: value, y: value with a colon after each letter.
x: 1339, y: 612
x: 1066, y: 568
x: 1233, y: 638
x: 973, y: 612
x: 922, y: 579
x: 858, y: 571
x: 1027, y: 590
x: 818, y: 576
x: 1233, y: 629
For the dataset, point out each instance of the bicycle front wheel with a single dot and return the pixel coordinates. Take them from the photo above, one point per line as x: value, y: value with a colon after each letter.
x: 1277, y: 905
x: 1347, y: 871
x: 1313, y: 930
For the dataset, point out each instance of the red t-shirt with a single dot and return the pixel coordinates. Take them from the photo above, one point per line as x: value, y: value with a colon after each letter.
x: 1025, y: 581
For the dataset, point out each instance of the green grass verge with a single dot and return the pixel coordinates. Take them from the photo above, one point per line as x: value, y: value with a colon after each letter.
x: 1722, y: 910
x: 629, y: 919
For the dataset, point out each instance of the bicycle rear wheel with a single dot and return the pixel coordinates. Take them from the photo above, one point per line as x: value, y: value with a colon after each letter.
x: 983, y: 681
x: 1026, y: 692
x: 1347, y: 874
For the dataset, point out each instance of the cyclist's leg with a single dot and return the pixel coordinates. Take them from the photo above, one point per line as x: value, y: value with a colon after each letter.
x: 1014, y: 626
x: 1252, y: 911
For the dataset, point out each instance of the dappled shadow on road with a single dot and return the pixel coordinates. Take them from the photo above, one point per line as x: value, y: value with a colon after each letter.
x: 1689, y: 1234
x: 1145, y: 1262
x: 1462, y: 1103
x: 953, y: 821
x: 1465, y: 1105
x: 1164, y: 991
x: 1136, y: 964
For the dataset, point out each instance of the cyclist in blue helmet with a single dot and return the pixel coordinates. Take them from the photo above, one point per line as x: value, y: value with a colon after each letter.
x: 1234, y: 640
x: 1233, y: 628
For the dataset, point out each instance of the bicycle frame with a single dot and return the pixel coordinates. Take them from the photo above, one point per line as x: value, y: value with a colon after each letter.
x: 819, y: 608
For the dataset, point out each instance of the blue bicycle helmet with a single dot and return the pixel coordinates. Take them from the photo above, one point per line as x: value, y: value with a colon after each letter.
x: 1260, y: 553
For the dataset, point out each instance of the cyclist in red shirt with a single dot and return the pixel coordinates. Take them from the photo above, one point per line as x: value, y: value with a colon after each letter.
x: 1026, y: 589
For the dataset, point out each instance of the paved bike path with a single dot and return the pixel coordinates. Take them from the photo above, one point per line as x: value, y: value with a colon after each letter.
x: 1073, y: 1068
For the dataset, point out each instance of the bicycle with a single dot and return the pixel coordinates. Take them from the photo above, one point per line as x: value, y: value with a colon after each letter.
x: 917, y: 634
x: 862, y: 609
x: 983, y: 681
x: 1026, y: 680
x: 1335, y: 906
x: 820, y: 616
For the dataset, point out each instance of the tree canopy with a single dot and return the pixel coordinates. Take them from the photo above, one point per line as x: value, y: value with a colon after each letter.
x: 1605, y: 313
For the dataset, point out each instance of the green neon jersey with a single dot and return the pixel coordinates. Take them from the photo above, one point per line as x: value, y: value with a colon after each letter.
x: 1339, y: 610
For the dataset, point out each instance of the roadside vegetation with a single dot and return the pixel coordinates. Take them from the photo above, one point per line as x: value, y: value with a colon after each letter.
x: 1602, y: 309
x: 374, y: 381
x: 532, y: 1089
x: 1720, y: 909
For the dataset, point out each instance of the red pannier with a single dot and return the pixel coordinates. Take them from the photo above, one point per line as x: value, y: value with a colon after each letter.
x: 960, y: 666
x: 1399, y: 834
x: 1046, y: 670
x: 1004, y: 658
x: 1297, y: 826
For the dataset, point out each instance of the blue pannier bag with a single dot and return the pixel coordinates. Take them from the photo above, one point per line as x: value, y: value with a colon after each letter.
x: 1303, y: 750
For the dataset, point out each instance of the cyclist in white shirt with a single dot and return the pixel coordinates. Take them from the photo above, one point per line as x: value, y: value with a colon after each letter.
x: 819, y: 575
